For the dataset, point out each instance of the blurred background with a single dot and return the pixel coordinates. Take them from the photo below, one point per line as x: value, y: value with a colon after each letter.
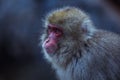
x: 21, y: 26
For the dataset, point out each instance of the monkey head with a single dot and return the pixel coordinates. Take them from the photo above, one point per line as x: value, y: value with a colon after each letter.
x: 64, y: 29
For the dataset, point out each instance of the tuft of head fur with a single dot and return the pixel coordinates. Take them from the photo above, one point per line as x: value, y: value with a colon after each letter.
x: 68, y: 12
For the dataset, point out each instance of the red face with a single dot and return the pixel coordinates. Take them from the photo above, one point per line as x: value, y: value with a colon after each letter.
x: 54, y: 34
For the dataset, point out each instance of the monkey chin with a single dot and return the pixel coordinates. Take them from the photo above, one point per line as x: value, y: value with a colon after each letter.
x: 50, y: 50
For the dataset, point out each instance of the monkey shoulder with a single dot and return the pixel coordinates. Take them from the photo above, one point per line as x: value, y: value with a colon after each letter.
x: 105, y: 42
x: 106, y: 39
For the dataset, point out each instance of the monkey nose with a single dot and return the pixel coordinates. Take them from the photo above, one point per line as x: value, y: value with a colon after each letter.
x: 50, y: 47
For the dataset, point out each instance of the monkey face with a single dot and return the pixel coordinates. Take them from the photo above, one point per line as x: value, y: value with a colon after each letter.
x: 54, y: 33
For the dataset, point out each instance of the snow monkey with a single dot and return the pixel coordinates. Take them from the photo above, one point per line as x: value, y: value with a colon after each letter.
x: 77, y: 50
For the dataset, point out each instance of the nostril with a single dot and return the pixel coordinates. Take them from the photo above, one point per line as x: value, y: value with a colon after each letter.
x: 47, y: 41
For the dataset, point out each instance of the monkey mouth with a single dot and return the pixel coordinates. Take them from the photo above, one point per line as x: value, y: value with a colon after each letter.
x: 50, y: 50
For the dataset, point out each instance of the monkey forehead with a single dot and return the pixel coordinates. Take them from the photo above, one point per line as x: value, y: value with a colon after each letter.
x: 60, y: 15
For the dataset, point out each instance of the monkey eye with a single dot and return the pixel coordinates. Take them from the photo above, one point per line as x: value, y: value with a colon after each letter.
x: 57, y: 31
x: 54, y: 30
x: 49, y: 30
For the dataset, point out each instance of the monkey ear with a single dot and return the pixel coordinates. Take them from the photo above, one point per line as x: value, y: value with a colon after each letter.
x: 87, y: 27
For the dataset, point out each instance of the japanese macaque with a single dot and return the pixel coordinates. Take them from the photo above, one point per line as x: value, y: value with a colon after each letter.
x: 77, y: 50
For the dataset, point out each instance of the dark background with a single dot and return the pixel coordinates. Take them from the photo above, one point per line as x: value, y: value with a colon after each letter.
x: 21, y: 25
